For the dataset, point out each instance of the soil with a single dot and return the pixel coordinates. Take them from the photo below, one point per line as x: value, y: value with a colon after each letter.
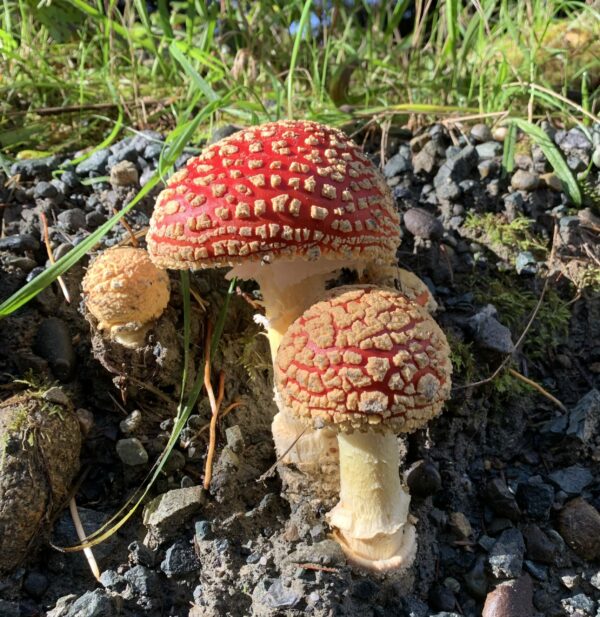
x: 493, y: 479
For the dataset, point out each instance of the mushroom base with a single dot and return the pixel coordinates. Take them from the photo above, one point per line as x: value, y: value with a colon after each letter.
x: 307, y: 460
x: 371, y: 519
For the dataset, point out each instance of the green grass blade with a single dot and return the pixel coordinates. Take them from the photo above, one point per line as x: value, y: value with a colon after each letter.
x: 508, y: 154
x: 302, y: 27
x: 175, y: 49
x: 554, y: 157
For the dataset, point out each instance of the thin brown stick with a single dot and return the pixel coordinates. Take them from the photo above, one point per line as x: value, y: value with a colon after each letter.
x: 128, y: 228
x: 82, y: 538
x: 214, y: 406
x: 222, y: 414
x: 316, y: 567
x: 70, y: 109
x: 539, y: 388
x: 61, y: 282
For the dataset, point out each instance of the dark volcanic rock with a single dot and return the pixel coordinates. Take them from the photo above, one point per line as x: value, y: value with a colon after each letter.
x: 539, y: 546
x: 453, y: 171
x: 53, y: 343
x: 19, y: 243
x: 572, y: 480
x: 501, y: 500
x: 423, y: 479
x: 536, y: 498
x: 506, y: 556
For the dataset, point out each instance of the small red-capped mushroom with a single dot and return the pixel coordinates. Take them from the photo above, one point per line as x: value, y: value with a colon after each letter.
x: 287, y: 204
x: 370, y: 364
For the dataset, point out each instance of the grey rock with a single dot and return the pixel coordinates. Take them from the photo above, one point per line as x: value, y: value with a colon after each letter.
x: 144, y: 582
x: 53, y: 343
x: 72, y: 220
x: 489, y: 333
x: 131, y: 451
x: 132, y: 422
x: 501, y: 500
x: 572, y: 480
x: 510, y: 599
x: 112, y: 580
x: 126, y: 153
x: 235, y: 438
x: 476, y: 580
x: 94, y: 219
x: 70, y: 179
x: 574, y: 139
x: 180, y: 559
x: 45, y: 190
x: 584, y: 418
x: 34, y: 168
x: 62, y: 250
x: 487, y: 168
x: 423, y: 479
x: 539, y: 546
x: 453, y: 171
x: 152, y: 151
x: 422, y: 224
x: 489, y: 150
x: 596, y: 157
x: 92, y: 604
x: 535, y: 498
x: 124, y: 173
x: 595, y: 580
x: 506, y: 556
x: 203, y: 530
x: 426, y: 160
x: 23, y: 263
x: 579, y: 604
x: 281, y: 597
x: 140, y: 554
x: 481, y: 132
x: 526, y: 263
x: 398, y: 164
x: 166, y: 514
x: 95, y: 163
x: 524, y: 180
x: 513, y: 205
x: 19, y: 243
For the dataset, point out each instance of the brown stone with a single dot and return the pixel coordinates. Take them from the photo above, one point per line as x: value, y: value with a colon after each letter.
x: 579, y: 525
x: 511, y: 599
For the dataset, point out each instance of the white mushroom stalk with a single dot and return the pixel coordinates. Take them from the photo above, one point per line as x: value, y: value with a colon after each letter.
x: 371, y: 519
x: 368, y: 363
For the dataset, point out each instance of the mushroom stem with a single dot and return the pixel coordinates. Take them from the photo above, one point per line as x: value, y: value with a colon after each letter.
x: 371, y: 518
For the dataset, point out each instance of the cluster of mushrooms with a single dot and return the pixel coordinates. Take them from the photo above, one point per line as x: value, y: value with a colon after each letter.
x: 289, y: 204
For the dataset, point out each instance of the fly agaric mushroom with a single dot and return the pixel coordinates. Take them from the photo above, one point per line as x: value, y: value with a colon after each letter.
x: 125, y: 292
x: 369, y: 363
x: 287, y: 204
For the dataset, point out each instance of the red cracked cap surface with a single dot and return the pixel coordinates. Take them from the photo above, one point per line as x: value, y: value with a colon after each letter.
x: 276, y: 190
x: 364, y: 356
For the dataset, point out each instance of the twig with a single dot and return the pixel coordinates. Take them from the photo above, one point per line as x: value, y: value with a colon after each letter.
x: 203, y: 304
x: 272, y: 468
x: 317, y: 567
x: 214, y: 406
x: 82, y: 538
x: 539, y: 388
x: 222, y: 414
x: 128, y: 228
x: 70, y: 109
x: 61, y: 282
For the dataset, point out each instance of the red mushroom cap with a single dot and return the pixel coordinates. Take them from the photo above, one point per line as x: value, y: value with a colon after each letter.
x: 364, y: 356
x: 277, y: 190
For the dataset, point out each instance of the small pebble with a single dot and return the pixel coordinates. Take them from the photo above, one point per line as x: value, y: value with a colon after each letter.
x: 524, y: 180
x: 132, y: 422
x: 579, y: 525
x: 131, y: 451
x: 124, y: 173
x: 422, y: 224
x: 423, y: 479
x: 510, y: 599
x: 481, y: 132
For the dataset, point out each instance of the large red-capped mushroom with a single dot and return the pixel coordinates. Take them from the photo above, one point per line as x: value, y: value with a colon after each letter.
x: 370, y: 364
x: 287, y: 204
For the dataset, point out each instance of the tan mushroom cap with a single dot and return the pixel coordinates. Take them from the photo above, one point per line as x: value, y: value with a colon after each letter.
x: 364, y: 356
x: 275, y: 191
x: 123, y: 286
